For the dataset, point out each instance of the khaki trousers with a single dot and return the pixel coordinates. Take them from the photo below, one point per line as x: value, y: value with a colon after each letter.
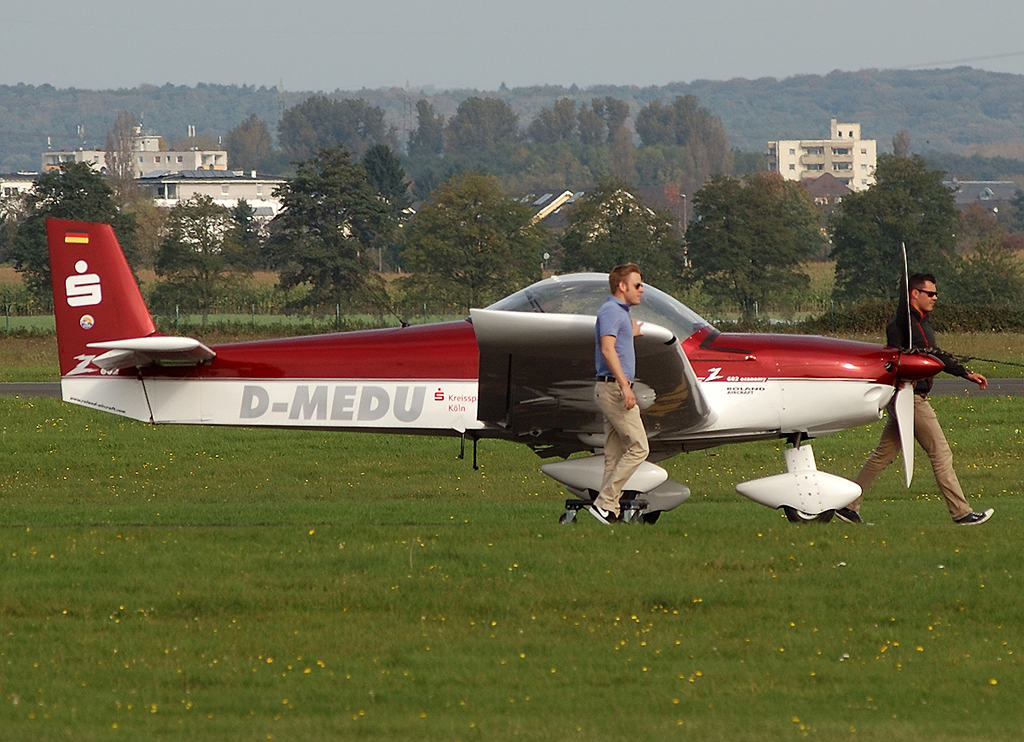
x: 929, y: 434
x: 625, y: 446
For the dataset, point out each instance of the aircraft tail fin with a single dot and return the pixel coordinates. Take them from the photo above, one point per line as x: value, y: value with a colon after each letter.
x: 95, y: 296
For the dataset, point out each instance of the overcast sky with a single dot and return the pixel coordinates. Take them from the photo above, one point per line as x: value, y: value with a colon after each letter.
x: 311, y: 45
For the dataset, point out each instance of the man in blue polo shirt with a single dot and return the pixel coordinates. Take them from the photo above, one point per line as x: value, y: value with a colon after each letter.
x: 626, y: 444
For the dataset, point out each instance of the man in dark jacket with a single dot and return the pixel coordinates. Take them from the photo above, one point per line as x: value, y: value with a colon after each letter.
x: 926, y: 425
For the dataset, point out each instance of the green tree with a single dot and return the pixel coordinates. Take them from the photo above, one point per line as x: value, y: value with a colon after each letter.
x: 614, y: 112
x: 749, y: 238
x: 908, y: 204
x: 428, y: 139
x: 684, y: 123
x: 246, y: 231
x: 75, y: 191
x: 481, y: 123
x: 555, y: 124
x: 590, y: 123
x: 248, y: 145
x: 200, y: 258
x: 386, y: 175
x: 475, y: 240
x: 990, y: 275
x: 976, y: 224
x: 320, y: 122
x: 1015, y: 213
x: 623, y: 162
x: 611, y: 226
x: 149, y: 229
x: 330, y: 217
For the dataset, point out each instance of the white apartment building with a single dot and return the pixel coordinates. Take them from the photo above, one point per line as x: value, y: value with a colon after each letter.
x: 846, y: 156
x: 225, y: 187
x: 147, y: 154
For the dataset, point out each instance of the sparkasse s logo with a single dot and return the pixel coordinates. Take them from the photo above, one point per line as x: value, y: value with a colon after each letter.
x: 83, y: 290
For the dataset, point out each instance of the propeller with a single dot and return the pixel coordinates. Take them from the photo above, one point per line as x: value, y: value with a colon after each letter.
x: 905, y: 424
x: 904, y: 405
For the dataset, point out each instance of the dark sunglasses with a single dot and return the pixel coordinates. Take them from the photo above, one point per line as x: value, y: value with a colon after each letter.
x: 930, y: 294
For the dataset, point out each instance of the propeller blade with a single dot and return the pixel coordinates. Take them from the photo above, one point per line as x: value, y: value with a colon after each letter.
x: 905, y: 423
x: 905, y: 291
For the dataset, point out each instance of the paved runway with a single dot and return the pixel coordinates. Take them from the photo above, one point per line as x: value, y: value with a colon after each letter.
x: 944, y: 386
x: 31, y: 389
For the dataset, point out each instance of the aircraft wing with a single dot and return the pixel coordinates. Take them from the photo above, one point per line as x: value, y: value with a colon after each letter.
x: 159, y: 350
x: 537, y: 379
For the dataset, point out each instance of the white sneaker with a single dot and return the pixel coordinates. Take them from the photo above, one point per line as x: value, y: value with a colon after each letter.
x: 605, y: 516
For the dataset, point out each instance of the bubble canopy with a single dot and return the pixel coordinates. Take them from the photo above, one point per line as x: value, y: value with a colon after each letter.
x: 584, y: 293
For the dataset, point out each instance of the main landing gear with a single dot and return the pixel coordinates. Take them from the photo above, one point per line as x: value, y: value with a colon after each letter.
x: 631, y: 510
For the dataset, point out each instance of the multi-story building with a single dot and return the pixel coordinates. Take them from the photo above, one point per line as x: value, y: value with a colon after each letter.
x: 149, y: 153
x: 850, y: 159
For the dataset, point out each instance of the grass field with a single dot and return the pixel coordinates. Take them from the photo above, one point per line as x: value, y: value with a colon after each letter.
x: 229, y: 584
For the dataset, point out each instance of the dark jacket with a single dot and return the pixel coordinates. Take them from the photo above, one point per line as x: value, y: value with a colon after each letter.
x: 922, y: 337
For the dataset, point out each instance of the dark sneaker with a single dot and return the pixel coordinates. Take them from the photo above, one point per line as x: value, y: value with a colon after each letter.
x: 850, y: 516
x: 973, y: 519
x: 605, y: 516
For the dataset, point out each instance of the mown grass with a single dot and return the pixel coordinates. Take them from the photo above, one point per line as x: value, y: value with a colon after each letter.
x: 222, y: 584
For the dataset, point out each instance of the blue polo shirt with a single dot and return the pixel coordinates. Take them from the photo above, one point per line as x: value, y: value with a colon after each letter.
x: 613, y: 319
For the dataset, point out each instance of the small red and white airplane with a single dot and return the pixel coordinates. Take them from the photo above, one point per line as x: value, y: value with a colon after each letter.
x: 520, y: 370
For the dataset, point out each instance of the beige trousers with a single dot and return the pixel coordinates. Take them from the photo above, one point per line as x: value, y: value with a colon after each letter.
x: 625, y: 445
x: 929, y: 434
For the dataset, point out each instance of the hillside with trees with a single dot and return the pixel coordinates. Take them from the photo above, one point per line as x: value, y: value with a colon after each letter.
x: 961, y: 111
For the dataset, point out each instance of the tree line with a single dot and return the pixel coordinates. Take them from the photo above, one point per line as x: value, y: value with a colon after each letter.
x: 565, y: 145
x: 952, y: 110
x: 346, y: 216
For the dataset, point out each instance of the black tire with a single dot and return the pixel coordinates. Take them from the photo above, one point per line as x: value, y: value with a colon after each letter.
x: 798, y: 516
x: 650, y: 518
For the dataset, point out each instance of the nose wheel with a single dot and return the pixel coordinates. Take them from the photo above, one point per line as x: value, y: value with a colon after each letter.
x: 799, y: 516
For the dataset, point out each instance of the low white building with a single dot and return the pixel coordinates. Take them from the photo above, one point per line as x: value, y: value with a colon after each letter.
x: 148, y: 157
x: 13, y: 187
x: 15, y: 184
x: 225, y: 187
x: 847, y: 157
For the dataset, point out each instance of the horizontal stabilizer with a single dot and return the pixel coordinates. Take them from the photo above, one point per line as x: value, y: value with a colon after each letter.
x: 156, y: 350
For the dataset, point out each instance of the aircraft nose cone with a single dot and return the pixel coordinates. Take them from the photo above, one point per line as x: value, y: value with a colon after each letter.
x: 914, y: 366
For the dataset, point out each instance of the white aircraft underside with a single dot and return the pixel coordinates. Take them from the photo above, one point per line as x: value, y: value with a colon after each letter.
x: 741, y: 411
